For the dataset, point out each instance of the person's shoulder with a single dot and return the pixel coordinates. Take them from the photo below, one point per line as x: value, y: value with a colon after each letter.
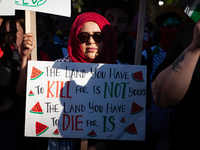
x: 129, y: 42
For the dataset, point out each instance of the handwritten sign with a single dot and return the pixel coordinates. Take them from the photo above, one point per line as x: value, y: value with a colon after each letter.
x: 80, y: 100
x: 57, y: 7
x: 7, y: 7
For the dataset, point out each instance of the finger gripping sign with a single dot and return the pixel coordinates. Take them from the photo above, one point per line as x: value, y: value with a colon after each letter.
x: 80, y: 100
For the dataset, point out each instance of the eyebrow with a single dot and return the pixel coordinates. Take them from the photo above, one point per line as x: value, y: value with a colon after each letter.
x: 92, y: 32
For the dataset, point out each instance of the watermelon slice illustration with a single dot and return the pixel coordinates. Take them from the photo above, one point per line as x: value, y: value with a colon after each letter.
x: 123, y: 120
x: 92, y: 134
x: 37, y: 109
x: 136, y: 108
x: 131, y: 129
x: 31, y: 93
x: 138, y: 76
x: 56, y: 132
x: 40, y: 128
x: 36, y: 73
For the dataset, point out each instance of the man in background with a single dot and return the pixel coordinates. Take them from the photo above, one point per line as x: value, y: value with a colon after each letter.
x: 120, y: 16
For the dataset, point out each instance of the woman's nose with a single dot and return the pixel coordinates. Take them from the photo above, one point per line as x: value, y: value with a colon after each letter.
x: 91, y: 40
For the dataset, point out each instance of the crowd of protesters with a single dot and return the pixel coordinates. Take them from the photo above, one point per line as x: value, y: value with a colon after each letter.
x: 172, y: 60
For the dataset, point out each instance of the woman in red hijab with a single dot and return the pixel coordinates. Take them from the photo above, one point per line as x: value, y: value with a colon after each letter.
x: 91, y: 40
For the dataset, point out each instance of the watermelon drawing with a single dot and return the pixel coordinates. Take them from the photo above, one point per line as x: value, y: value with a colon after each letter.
x: 92, y: 134
x: 131, y: 129
x: 40, y: 128
x: 123, y: 120
x: 138, y: 76
x: 37, y: 109
x: 36, y: 73
x: 31, y: 93
x: 136, y: 108
x: 56, y: 132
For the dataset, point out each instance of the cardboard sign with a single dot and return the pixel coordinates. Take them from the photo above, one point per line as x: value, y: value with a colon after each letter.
x: 7, y: 7
x: 57, y: 7
x: 81, y: 100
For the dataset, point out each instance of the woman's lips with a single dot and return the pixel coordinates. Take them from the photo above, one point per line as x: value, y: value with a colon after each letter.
x: 91, y: 49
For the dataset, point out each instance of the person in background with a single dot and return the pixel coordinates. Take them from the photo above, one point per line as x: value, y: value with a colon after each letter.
x: 45, y: 42
x: 15, y: 28
x: 15, y: 51
x: 95, y: 6
x: 158, y: 121
x: 147, y: 40
x: 91, y: 40
x: 56, y: 36
x: 120, y: 16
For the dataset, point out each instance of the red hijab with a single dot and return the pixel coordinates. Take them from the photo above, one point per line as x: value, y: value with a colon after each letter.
x: 110, y: 45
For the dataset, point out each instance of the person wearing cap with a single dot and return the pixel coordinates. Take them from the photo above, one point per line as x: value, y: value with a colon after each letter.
x: 92, y: 40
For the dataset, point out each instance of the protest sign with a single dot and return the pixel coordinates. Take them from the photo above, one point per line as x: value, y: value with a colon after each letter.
x: 57, y: 7
x: 7, y: 7
x: 81, y: 100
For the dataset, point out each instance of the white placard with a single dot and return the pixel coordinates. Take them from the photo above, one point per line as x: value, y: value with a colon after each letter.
x: 7, y: 7
x: 85, y: 100
x: 57, y: 7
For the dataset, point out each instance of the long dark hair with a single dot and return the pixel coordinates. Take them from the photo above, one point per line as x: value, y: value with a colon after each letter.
x: 3, y: 35
x: 7, y: 58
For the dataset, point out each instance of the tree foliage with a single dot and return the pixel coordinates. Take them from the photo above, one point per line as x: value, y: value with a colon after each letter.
x: 171, y: 1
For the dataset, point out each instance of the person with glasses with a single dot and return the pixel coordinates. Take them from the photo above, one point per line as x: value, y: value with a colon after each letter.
x: 91, y: 40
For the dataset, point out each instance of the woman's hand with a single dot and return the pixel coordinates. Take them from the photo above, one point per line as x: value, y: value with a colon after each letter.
x: 28, y: 44
x: 27, y: 47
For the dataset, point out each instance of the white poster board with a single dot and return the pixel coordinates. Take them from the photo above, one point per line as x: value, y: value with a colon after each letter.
x: 7, y: 7
x: 80, y: 100
x: 57, y: 7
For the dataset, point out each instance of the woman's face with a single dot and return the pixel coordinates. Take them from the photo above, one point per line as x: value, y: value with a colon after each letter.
x: 15, y: 32
x: 90, y: 48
